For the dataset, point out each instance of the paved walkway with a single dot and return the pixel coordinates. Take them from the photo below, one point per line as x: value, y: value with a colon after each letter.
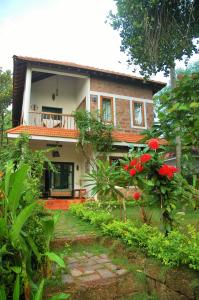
x: 90, y: 267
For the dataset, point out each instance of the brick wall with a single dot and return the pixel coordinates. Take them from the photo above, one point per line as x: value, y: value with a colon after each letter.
x: 149, y: 114
x: 122, y: 106
x: 108, y: 86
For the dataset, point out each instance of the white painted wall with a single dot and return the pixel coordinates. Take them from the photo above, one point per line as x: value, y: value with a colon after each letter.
x: 71, y: 92
x: 82, y: 89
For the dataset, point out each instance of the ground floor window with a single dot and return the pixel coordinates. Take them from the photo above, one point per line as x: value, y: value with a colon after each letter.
x: 59, y: 182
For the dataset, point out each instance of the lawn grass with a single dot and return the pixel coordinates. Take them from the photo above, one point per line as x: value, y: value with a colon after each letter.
x: 71, y: 226
x: 133, y: 214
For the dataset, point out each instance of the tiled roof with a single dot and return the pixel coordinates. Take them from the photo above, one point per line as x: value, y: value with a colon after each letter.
x: 69, y: 133
x: 75, y: 65
x: 44, y: 131
x: 127, y: 137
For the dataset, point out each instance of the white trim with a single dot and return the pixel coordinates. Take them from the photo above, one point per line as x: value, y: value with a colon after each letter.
x: 44, y: 138
x: 128, y: 144
x: 98, y: 102
x: 26, y: 96
x: 50, y: 71
x: 114, y: 112
x: 131, y: 114
x: 88, y: 97
x: 121, y: 96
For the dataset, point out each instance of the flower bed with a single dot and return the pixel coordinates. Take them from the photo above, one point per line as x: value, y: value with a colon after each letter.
x: 172, y: 250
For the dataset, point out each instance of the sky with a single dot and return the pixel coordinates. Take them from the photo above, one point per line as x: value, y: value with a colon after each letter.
x: 66, y: 30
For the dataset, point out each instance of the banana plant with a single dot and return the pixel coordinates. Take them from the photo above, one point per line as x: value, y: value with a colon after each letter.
x: 16, y: 245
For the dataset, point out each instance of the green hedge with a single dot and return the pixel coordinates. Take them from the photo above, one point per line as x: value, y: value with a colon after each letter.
x: 173, y: 250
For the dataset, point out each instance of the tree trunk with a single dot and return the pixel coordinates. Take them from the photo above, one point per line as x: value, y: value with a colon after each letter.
x: 177, y: 139
x: 124, y: 209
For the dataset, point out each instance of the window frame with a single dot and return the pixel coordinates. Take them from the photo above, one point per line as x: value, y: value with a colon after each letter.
x: 101, y: 110
x: 143, y: 125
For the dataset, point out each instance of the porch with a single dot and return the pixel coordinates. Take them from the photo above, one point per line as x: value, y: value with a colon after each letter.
x: 52, y: 120
x: 60, y: 204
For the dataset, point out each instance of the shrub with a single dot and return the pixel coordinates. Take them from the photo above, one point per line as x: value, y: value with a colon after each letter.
x: 172, y: 250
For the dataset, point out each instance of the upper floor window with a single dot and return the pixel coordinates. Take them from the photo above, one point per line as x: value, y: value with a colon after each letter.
x: 107, y: 108
x: 138, y: 114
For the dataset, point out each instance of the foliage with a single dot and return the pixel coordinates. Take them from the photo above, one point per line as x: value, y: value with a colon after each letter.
x: 94, y: 131
x: 19, y: 152
x: 175, y: 249
x: 146, y: 170
x: 5, y: 98
x: 179, y: 108
x: 154, y: 177
x: 155, y: 33
x: 98, y: 219
x: 24, y: 233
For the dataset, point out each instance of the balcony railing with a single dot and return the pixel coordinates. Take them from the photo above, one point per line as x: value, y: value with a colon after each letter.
x: 51, y: 120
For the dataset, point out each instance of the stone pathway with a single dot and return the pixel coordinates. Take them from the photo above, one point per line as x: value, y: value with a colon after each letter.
x: 94, y: 277
x: 91, y: 268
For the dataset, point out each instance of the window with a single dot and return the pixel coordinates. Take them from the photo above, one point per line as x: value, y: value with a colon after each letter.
x: 138, y: 114
x: 115, y: 160
x: 53, y: 110
x: 107, y: 108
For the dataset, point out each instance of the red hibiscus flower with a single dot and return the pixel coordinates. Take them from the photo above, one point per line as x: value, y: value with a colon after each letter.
x: 145, y: 157
x: 126, y: 167
x: 167, y: 170
x: 139, y: 167
x: 153, y: 144
x: 136, y: 195
x: 133, y: 162
x: 132, y: 172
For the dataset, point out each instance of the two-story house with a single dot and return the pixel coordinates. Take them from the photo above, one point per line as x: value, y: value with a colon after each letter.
x: 46, y: 92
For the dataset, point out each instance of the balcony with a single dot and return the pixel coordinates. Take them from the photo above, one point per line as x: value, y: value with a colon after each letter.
x: 52, y: 120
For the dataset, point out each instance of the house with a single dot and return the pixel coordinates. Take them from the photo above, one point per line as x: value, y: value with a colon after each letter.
x: 46, y: 92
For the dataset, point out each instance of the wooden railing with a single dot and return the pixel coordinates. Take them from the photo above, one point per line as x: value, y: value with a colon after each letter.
x: 51, y: 120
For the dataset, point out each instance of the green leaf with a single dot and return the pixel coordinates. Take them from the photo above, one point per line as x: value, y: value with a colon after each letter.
x: 9, y: 169
x: 20, y: 221
x: 61, y: 296
x: 34, y: 248
x: 16, y: 292
x: 54, y: 257
x: 18, y: 187
x: 3, y: 227
x: 39, y: 293
x: 16, y: 269
x: 2, y: 293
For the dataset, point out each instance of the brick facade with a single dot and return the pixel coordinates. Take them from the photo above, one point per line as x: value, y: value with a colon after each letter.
x: 108, y: 86
x: 122, y: 106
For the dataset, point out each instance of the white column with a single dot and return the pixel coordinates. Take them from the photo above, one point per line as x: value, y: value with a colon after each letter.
x: 88, y: 97
x: 26, y: 96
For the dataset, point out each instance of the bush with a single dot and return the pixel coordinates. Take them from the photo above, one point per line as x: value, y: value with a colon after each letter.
x: 172, y: 250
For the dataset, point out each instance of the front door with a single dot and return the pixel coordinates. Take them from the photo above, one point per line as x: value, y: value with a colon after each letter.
x: 62, y: 181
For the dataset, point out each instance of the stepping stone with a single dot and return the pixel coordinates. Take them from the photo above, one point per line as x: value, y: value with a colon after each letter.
x: 75, y: 272
x: 111, y: 267
x: 105, y: 274
x: 90, y: 278
x: 67, y: 279
x: 121, y: 271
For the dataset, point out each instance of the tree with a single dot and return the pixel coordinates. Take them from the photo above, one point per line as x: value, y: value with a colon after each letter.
x: 155, y: 33
x: 5, y: 98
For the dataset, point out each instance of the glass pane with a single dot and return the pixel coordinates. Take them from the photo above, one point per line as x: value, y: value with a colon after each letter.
x: 138, y: 114
x: 106, y: 109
